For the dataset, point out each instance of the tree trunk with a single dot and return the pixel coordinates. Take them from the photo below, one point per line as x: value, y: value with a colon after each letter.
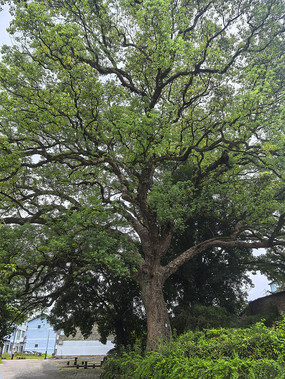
x: 158, y: 324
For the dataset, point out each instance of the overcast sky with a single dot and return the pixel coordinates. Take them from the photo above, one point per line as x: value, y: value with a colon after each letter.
x: 260, y: 281
x: 4, y: 23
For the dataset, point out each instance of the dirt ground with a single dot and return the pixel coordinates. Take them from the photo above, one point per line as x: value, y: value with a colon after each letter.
x: 45, y: 369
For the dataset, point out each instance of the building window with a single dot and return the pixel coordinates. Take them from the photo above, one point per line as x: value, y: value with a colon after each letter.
x: 39, y: 326
x: 36, y: 345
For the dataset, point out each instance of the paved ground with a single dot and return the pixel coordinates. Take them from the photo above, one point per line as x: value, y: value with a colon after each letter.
x: 44, y: 369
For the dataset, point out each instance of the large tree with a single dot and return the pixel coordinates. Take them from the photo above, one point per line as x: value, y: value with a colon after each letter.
x: 103, y: 101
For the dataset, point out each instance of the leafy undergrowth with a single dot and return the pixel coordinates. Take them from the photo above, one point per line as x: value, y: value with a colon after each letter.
x: 255, y: 352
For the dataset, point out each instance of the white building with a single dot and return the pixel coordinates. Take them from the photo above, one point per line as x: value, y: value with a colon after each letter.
x: 34, y: 336
x: 16, y: 341
x: 41, y: 337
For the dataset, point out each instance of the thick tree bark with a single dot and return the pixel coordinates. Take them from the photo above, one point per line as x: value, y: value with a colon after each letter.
x: 158, y: 324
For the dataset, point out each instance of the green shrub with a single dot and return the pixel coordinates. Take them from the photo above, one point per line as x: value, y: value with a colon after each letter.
x: 256, y: 352
x: 205, y: 368
x: 122, y: 367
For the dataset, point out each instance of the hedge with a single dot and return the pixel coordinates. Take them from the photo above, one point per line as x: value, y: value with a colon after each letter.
x: 255, y: 352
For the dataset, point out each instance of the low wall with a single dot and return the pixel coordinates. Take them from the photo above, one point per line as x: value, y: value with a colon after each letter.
x: 83, y: 348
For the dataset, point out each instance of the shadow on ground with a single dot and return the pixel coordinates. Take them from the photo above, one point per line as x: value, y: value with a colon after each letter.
x: 65, y: 372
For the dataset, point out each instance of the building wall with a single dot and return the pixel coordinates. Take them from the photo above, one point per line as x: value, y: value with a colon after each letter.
x: 267, y: 304
x: 40, y: 336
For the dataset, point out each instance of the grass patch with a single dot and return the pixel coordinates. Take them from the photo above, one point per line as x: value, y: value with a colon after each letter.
x: 7, y: 356
x: 31, y: 356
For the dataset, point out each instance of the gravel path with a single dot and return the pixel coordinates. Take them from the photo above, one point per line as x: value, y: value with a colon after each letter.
x: 44, y: 369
